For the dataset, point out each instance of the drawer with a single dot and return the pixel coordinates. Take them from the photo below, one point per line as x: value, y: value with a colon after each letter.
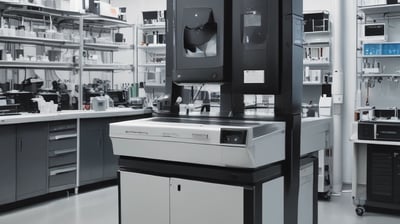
x: 61, y: 135
x: 62, y: 144
x: 59, y: 159
x: 62, y: 125
x: 62, y: 176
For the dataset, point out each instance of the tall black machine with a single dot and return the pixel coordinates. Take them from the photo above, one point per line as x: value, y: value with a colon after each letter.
x: 249, y: 47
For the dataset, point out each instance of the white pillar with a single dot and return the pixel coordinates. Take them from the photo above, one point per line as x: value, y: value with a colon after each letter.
x: 350, y: 64
x: 337, y: 92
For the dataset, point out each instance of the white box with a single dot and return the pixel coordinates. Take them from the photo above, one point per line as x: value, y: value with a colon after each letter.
x: 373, y: 2
x: 325, y: 106
x: 107, y: 10
x: 374, y: 32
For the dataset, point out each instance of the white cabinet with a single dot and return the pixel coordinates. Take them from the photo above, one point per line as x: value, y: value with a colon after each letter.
x: 197, y: 202
x: 147, y: 199
x: 144, y: 199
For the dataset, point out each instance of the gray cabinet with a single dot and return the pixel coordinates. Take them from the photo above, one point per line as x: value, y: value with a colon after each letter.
x: 7, y: 164
x: 91, y: 151
x: 62, y: 157
x: 97, y: 160
x: 31, y: 160
x: 110, y: 161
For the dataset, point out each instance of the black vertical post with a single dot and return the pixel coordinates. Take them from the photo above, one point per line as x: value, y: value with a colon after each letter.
x: 288, y: 102
x: 171, y: 89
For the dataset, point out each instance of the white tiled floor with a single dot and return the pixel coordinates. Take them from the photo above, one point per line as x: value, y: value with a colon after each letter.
x: 101, y: 207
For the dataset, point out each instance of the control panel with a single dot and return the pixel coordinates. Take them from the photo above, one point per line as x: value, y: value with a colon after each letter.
x: 236, y: 137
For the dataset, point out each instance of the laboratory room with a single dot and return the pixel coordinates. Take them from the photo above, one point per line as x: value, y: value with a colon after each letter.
x: 199, y: 111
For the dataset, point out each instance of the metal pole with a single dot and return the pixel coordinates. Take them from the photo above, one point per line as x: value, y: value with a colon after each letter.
x: 80, y: 63
x: 80, y: 100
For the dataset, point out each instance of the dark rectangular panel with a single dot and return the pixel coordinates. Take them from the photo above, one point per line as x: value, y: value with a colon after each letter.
x: 255, y: 45
x: 199, y: 36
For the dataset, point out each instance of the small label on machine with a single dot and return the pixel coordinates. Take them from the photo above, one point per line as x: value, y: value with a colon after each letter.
x: 253, y: 76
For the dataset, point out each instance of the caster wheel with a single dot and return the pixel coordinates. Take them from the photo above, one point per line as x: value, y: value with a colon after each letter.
x: 360, y: 211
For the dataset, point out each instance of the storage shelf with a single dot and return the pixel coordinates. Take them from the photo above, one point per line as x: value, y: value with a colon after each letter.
x: 108, y: 47
x: 380, y: 9
x: 380, y: 75
x: 380, y: 56
x: 154, y: 85
x: 108, y: 67
x: 39, y: 41
x: 151, y: 27
x: 105, y: 22
x: 317, y: 43
x: 35, y: 65
x: 152, y: 47
x: 317, y: 32
x: 153, y: 65
x: 321, y: 64
x: 37, y: 11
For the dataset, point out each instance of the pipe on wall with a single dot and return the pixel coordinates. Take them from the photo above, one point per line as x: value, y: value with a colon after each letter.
x: 337, y: 93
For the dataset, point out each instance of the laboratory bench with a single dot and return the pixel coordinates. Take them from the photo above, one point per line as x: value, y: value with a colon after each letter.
x: 376, y: 168
x: 42, y: 154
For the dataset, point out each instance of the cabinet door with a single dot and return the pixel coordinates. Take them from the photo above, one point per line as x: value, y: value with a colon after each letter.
x: 380, y: 173
x: 31, y: 160
x: 110, y: 160
x: 7, y: 164
x: 396, y: 177
x: 198, y: 203
x: 144, y: 199
x: 91, y: 151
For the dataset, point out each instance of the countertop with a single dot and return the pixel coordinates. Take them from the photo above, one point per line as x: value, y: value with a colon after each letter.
x: 71, y: 114
x: 315, y: 119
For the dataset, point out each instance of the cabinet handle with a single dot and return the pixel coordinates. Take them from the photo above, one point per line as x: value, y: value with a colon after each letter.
x: 62, y: 170
x: 65, y: 151
x: 20, y: 145
x: 61, y: 137
x: 179, y: 187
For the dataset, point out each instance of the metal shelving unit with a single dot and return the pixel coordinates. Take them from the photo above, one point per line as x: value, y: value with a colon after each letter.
x: 377, y: 65
x: 315, y: 84
x: 150, y: 65
x: 71, y: 20
x: 36, y: 65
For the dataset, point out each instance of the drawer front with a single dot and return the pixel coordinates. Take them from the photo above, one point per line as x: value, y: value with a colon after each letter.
x: 62, y: 135
x: 68, y: 143
x: 366, y: 131
x: 62, y: 125
x: 62, y: 159
x: 388, y: 132
x: 62, y: 179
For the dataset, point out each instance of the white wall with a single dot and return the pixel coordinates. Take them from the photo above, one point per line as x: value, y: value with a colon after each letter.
x: 135, y: 8
x: 311, y: 5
